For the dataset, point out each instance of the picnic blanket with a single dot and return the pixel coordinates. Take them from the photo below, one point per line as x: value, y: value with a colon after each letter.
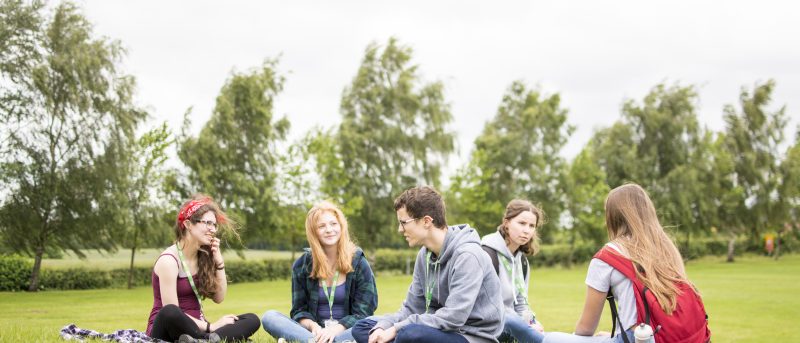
x: 73, y: 332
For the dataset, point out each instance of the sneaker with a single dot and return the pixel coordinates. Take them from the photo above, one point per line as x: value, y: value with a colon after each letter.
x: 212, y: 338
x: 185, y: 338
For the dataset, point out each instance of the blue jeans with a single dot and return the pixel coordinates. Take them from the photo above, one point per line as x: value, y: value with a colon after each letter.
x: 279, y: 325
x: 560, y: 337
x: 410, y: 333
x: 515, y: 328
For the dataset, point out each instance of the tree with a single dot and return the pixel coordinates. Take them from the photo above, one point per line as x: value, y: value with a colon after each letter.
x: 586, y: 191
x: 516, y: 155
x: 723, y: 194
x: 789, y: 193
x: 234, y: 156
x: 65, y: 108
x: 659, y: 145
x: 299, y: 191
x: 144, y: 191
x: 753, y: 136
x: 393, y: 135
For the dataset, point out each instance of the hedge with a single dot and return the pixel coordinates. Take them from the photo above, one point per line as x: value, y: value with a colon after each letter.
x: 15, y: 273
x: 15, y: 270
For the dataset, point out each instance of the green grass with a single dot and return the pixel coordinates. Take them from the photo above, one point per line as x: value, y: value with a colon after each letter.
x: 144, y: 257
x: 752, y: 300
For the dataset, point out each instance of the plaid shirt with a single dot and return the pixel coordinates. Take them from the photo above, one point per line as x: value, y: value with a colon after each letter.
x: 361, y: 296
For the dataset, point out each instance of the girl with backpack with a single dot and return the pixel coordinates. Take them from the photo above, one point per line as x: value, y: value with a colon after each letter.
x: 332, y: 284
x: 509, y: 248
x: 192, y: 268
x: 641, y: 269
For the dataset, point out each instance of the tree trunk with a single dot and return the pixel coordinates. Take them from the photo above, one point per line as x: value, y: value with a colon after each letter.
x: 777, y: 254
x: 37, y: 266
x: 130, y: 270
x: 731, y: 245
x: 572, y: 245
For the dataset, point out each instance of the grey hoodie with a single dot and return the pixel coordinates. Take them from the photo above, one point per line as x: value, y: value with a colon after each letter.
x: 496, y: 242
x: 466, y: 298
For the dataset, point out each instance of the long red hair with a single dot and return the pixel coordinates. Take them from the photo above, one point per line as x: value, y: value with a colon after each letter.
x: 345, y: 247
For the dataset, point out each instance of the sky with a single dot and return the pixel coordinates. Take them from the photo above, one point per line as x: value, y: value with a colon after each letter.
x: 594, y: 54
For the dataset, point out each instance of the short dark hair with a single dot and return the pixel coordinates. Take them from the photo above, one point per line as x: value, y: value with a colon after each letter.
x: 423, y: 201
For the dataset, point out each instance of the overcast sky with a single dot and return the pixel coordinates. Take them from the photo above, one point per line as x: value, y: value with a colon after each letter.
x: 595, y: 54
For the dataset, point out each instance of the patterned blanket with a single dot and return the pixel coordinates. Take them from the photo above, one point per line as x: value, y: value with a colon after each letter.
x: 72, y: 332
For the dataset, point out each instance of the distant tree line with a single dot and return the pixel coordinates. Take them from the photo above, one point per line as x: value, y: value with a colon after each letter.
x: 80, y: 171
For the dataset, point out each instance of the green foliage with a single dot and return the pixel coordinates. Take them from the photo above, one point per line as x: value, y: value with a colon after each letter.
x: 659, y: 145
x: 752, y: 136
x: 393, y: 136
x: 394, y: 260
x: 234, y: 157
x: 298, y: 191
x: 141, y: 196
x: 15, y: 273
x: 67, y: 118
x: 586, y: 189
x: 516, y: 156
x: 250, y: 271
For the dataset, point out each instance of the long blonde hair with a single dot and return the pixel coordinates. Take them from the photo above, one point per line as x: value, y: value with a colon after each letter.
x: 345, y: 247
x: 633, y: 225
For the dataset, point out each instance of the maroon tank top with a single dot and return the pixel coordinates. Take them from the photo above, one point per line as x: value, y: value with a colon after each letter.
x: 187, y: 301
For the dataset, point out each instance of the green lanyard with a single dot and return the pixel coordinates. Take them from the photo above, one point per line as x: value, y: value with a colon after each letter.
x: 518, y: 282
x: 430, y: 281
x: 331, y: 292
x: 189, y: 276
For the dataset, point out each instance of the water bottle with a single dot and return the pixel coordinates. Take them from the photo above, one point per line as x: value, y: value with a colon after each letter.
x: 643, y: 333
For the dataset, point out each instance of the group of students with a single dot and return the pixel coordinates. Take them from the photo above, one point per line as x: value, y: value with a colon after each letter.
x: 464, y: 288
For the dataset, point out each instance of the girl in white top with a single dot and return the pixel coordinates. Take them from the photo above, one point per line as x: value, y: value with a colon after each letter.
x: 635, y: 232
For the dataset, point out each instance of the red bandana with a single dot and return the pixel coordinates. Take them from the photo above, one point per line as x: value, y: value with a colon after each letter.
x: 190, y: 208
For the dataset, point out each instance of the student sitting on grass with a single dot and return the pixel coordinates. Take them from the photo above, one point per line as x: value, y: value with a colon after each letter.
x: 455, y: 293
x: 190, y: 269
x: 640, y: 262
x: 508, y: 248
x: 332, y: 284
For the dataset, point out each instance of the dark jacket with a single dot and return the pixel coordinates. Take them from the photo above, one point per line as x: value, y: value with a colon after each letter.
x: 361, y: 298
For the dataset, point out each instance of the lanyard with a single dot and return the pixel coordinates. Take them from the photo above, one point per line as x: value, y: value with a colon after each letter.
x: 189, y: 276
x: 515, y: 277
x: 430, y: 280
x: 331, y: 292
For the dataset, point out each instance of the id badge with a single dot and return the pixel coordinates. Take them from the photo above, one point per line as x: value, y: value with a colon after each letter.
x: 329, y: 323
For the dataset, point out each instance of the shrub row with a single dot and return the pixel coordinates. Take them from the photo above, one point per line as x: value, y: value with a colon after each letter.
x: 15, y: 270
x: 15, y: 274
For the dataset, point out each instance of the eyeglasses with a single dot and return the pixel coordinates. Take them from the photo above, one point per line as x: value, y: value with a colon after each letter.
x: 404, y: 222
x: 208, y: 223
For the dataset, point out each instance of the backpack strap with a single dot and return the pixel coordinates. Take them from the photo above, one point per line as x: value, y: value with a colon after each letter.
x: 626, y: 267
x: 492, y: 255
x: 614, y: 316
x: 524, y: 266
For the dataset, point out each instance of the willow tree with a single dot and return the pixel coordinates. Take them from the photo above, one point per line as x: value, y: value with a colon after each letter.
x: 393, y: 135
x: 67, y: 111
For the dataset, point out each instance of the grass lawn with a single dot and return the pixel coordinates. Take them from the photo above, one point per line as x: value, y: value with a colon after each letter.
x: 752, y: 300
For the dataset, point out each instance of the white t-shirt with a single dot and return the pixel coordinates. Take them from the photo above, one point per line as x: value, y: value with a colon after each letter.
x: 601, y: 276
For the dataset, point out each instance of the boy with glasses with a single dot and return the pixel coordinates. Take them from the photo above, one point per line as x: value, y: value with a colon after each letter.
x: 454, y: 295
